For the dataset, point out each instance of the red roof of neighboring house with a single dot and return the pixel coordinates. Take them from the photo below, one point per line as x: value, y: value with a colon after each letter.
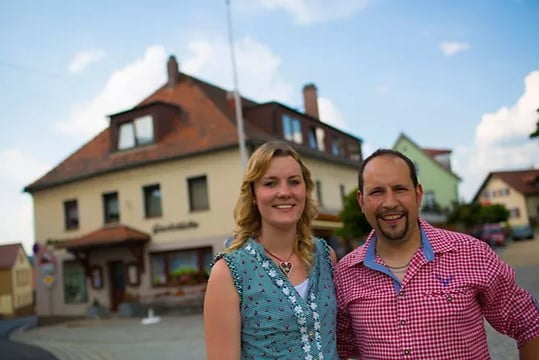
x: 106, y: 236
x: 434, y: 152
x: 8, y: 255
x: 525, y: 182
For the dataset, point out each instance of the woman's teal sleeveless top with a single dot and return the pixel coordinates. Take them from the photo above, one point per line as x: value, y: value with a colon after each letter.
x: 276, y: 322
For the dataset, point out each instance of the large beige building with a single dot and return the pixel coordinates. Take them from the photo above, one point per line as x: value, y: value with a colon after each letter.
x: 139, y: 211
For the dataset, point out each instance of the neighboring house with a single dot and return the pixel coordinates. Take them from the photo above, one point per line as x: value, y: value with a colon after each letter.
x: 140, y: 210
x: 440, y: 183
x: 15, y: 280
x: 517, y: 190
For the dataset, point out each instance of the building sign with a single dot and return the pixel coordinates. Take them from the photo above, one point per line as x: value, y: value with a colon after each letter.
x: 46, y: 264
x: 175, y: 226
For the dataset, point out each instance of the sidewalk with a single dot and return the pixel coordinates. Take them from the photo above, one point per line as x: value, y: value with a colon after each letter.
x: 522, y: 253
x: 174, y: 337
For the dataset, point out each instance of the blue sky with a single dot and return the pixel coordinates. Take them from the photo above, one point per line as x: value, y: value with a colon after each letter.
x: 462, y: 75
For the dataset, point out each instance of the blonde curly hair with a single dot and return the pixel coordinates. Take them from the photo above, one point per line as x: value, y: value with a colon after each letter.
x: 246, y: 214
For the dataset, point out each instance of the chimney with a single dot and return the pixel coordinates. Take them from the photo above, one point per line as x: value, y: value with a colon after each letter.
x: 310, y: 100
x: 172, y: 71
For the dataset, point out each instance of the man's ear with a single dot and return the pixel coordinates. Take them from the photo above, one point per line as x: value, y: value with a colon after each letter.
x: 419, y: 194
x: 359, y: 197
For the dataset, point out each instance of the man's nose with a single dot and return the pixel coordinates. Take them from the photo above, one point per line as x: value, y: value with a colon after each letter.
x: 390, y: 200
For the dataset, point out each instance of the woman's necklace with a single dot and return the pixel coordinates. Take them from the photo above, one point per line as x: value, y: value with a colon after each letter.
x: 284, y: 265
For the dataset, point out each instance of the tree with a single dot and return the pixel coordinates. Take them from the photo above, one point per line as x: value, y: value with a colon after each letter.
x: 473, y: 214
x: 355, y: 225
x: 536, y: 132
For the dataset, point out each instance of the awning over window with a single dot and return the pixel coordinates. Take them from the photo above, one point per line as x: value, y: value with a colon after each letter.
x: 119, y: 236
x: 106, y: 237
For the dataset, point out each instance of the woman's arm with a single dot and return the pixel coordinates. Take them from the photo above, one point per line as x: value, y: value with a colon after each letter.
x: 332, y: 255
x: 222, y: 321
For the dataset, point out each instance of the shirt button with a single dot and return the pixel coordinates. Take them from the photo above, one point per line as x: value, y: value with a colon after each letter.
x: 449, y: 298
x: 406, y: 351
x: 401, y: 293
x: 403, y: 322
x: 311, y: 334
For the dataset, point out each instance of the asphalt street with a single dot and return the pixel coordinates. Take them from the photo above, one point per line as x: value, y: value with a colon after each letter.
x: 11, y: 350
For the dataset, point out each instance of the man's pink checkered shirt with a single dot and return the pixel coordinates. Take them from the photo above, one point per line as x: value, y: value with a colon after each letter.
x: 453, y: 282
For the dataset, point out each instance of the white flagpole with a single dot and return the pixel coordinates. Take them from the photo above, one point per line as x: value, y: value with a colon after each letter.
x: 237, y: 101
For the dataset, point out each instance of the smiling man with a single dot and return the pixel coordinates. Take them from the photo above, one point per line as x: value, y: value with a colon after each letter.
x: 413, y: 291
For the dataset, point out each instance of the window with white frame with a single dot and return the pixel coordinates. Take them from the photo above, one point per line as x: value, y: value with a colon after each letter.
x: 71, y: 214
x: 514, y: 213
x: 152, y: 200
x: 137, y: 132
x: 75, y: 291
x: 198, y: 193
x: 292, y: 129
x: 180, y: 266
x: 319, y: 192
x: 320, y: 139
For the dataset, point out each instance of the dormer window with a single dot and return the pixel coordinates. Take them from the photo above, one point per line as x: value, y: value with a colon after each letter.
x: 337, y: 147
x: 292, y: 129
x: 316, y: 138
x: 134, y: 133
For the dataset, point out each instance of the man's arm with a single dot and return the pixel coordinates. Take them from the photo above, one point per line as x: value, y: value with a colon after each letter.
x: 508, y: 308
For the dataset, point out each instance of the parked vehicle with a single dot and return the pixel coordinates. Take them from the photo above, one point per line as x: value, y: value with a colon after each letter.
x: 522, y: 232
x: 492, y: 234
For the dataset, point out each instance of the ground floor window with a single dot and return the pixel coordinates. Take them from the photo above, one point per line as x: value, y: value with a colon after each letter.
x: 75, y: 291
x: 180, y: 267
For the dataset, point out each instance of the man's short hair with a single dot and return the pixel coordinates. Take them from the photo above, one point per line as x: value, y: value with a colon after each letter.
x: 387, y: 152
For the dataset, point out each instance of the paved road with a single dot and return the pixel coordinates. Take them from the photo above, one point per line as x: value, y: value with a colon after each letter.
x: 182, y: 337
x: 10, y: 350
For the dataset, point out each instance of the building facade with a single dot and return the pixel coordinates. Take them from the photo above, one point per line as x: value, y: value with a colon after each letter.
x: 440, y: 183
x: 16, y: 280
x: 517, y: 190
x: 138, y: 212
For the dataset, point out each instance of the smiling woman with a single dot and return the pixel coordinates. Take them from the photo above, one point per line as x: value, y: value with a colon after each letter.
x: 273, y: 270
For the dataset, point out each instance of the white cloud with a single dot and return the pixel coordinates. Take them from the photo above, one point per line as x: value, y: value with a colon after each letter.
x: 330, y: 114
x: 450, y: 48
x: 122, y: 91
x: 514, y: 122
x: 259, y: 76
x: 502, y: 141
x: 84, y: 58
x: 18, y: 169
x: 306, y: 12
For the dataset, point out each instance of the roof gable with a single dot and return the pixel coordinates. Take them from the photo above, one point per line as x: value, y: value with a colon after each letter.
x: 428, y: 153
x: 525, y: 182
x: 9, y: 254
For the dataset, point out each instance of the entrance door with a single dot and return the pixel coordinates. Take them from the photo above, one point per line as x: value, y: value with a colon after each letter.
x: 117, y: 283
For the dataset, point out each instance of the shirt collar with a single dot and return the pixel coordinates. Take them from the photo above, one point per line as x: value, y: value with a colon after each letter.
x: 432, y: 242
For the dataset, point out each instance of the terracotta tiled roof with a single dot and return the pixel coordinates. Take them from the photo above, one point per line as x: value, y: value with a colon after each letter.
x: 205, y: 123
x: 8, y: 255
x: 106, y: 236
x: 434, y: 152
